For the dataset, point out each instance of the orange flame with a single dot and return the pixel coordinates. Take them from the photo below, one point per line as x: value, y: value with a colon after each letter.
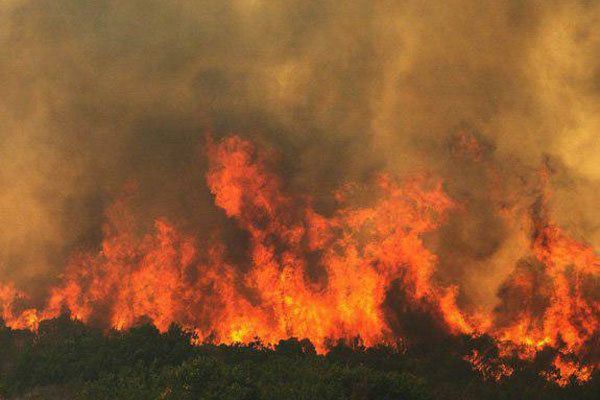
x: 362, y: 254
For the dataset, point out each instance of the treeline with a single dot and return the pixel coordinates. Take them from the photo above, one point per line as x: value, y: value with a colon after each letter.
x: 66, y: 359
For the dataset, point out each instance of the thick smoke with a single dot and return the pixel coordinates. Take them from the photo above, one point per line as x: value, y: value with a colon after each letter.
x: 485, y: 95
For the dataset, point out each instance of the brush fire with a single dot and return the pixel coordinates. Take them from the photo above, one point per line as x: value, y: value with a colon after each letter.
x: 387, y: 174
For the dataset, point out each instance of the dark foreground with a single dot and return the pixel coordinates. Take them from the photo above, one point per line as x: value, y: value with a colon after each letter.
x: 67, y: 360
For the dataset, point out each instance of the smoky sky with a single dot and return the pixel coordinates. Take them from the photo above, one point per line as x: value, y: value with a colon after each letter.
x: 98, y: 94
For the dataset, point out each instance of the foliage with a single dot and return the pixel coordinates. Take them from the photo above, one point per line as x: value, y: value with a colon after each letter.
x: 65, y: 356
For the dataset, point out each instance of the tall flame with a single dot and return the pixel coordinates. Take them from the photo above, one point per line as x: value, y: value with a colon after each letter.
x: 360, y: 253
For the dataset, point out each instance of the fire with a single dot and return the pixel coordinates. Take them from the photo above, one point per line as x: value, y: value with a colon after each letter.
x: 321, y: 277
x: 490, y: 368
x: 566, y: 370
x: 558, y: 291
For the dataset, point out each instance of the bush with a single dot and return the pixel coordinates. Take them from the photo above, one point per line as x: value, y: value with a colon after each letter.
x: 67, y: 359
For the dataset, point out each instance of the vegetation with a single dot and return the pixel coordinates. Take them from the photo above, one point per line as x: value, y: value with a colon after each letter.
x: 66, y: 359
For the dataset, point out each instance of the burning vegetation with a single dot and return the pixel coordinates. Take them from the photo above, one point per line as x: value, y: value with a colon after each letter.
x: 382, y: 176
x: 361, y: 272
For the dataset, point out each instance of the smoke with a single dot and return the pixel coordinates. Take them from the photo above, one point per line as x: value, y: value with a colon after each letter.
x: 97, y: 94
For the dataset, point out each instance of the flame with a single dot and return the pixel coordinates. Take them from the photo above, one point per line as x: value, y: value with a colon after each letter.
x: 489, y: 367
x: 566, y: 278
x: 361, y: 252
x: 565, y: 371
